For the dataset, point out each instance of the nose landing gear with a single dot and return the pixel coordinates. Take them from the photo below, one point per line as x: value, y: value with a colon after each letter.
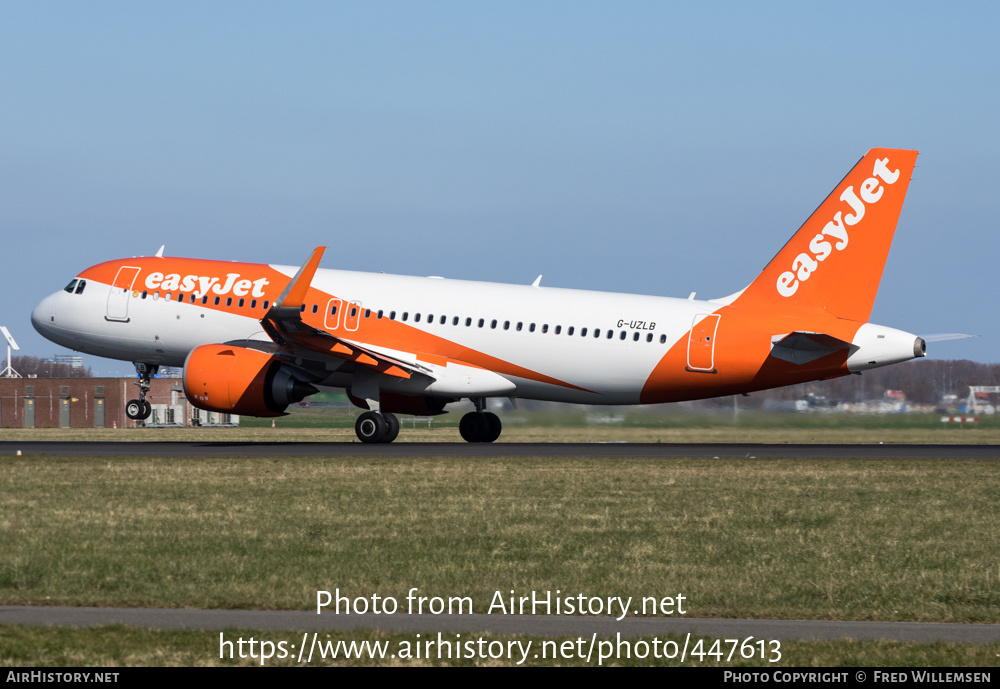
x: 140, y: 409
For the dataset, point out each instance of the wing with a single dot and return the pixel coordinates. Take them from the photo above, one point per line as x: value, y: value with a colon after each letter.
x: 283, y: 323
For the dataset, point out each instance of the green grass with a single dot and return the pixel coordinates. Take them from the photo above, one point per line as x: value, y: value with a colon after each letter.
x: 118, y: 646
x: 812, y: 539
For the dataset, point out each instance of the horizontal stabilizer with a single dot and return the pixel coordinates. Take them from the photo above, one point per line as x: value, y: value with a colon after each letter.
x: 803, y: 347
x: 943, y: 337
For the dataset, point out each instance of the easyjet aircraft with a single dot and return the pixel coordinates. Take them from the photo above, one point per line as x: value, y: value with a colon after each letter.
x: 254, y: 338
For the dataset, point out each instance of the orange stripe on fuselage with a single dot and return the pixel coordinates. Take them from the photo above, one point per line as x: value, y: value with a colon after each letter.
x: 741, y: 358
x: 259, y: 281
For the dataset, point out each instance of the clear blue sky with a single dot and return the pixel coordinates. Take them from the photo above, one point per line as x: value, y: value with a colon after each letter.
x: 650, y: 147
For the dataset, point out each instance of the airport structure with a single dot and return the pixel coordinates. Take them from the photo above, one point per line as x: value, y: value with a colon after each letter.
x: 97, y: 403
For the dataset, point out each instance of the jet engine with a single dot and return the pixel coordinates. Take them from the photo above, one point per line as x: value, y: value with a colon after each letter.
x: 237, y: 380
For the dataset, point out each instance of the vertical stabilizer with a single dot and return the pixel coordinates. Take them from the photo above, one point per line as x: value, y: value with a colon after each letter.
x: 835, y: 260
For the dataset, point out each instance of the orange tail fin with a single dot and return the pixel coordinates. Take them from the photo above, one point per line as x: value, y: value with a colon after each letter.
x: 836, y: 258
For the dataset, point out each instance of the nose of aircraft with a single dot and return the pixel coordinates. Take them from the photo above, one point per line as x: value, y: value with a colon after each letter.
x: 43, y: 316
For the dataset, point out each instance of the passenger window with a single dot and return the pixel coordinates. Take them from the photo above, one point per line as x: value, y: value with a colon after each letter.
x: 194, y: 298
x: 217, y: 300
x: 493, y: 324
x: 468, y: 322
x: 204, y: 300
x: 597, y: 332
x: 635, y: 337
x: 611, y: 333
x: 241, y: 302
x: 379, y: 314
x: 531, y: 328
x: 302, y: 309
x: 406, y: 314
x: 315, y: 307
x: 430, y: 318
x: 481, y: 322
x: 416, y: 318
x: 558, y: 329
x: 583, y: 332
x: 649, y: 337
x: 545, y: 328
x: 79, y: 288
x: 622, y: 335
x: 144, y: 293
x: 519, y: 324
x: 71, y: 286
x: 265, y: 304
x: 368, y: 312
x: 506, y: 325
x: 392, y: 315
x: 354, y: 312
x: 443, y: 319
x: 253, y: 302
x: 229, y: 300
x: 454, y: 321
x: 570, y: 331
x: 663, y: 339
x: 169, y: 296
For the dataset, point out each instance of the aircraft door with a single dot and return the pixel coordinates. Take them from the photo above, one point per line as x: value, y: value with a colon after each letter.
x: 120, y: 292
x: 333, y: 309
x: 353, y: 316
x: 701, y: 343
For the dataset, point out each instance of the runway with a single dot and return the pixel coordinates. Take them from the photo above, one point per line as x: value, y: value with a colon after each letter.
x: 533, y: 625
x: 251, y: 450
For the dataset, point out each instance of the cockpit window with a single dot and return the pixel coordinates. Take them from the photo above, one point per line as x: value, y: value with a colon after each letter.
x: 79, y: 287
x: 71, y: 286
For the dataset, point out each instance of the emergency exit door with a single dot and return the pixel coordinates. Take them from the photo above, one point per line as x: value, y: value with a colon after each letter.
x: 701, y: 343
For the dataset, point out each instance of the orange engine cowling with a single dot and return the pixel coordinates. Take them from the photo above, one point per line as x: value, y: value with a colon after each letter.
x: 237, y: 380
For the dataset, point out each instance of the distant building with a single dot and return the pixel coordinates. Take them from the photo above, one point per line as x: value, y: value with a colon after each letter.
x: 72, y: 360
x: 96, y: 403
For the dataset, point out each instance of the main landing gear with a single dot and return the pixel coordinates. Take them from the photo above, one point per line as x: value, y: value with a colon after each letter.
x: 140, y: 409
x: 377, y: 427
x: 479, y: 426
x: 476, y: 427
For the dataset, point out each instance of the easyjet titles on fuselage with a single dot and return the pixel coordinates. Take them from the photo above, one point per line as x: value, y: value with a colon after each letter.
x: 188, y: 283
x: 805, y: 264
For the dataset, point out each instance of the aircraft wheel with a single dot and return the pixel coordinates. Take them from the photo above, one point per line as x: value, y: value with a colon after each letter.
x: 147, y: 410
x: 477, y: 427
x: 371, y: 427
x: 134, y: 409
x: 392, y: 426
x: 493, y: 425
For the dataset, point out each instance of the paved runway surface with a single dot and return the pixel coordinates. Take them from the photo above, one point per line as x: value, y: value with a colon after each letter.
x: 534, y: 625
x: 611, y: 450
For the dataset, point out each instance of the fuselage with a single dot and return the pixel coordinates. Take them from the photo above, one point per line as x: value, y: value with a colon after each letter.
x: 549, y: 343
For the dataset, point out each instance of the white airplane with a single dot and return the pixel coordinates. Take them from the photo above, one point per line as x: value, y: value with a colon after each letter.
x: 254, y: 338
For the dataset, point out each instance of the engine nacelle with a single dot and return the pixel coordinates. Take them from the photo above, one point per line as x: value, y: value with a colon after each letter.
x: 237, y: 380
